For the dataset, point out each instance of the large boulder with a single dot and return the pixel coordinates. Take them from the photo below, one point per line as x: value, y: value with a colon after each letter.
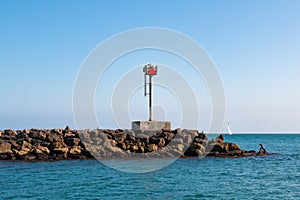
x: 40, y: 155
x: 167, y: 136
x: 120, y: 137
x: 61, y: 151
x: 5, y: 147
x: 202, y: 136
x: 67, y: 129
x: 22, y: 153
x: 54, y: 137
x: 177, y: 141
x: 10, y: 132
x: 141, y: 149
x: 24, y: 149
x: 195, y: 145
x: 14, y: 145
x: 178, y: 147
x: 37, y: 134
x: 160, y: 142
x: 151, y: 147
x: 225, y: 146
x: 74, y: 152
x: 56, y: 131
x: 193, y: 153
x: 109, y: 132
x: 221, y: 138
x: 43, y: 149
x: 58, y: 145
x: 145, y: 140
x: 72, y: 141
x: 233, y: 147
x: 134, y: 148
x: 217, y: 147
x: 26, y: 146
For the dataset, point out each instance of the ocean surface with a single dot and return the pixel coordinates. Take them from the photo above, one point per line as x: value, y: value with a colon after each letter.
x: 269, y: 177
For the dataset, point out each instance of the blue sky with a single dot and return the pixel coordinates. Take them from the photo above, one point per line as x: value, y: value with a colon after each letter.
x: 254, y: 44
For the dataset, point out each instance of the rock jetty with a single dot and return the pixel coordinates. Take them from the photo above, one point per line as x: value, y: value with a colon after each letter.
x: 64, y: 144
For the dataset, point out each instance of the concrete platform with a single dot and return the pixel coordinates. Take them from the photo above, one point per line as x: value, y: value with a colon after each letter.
x: 151, y: 125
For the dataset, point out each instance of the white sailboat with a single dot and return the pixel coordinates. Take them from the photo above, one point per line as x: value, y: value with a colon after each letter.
x: 229, y: 130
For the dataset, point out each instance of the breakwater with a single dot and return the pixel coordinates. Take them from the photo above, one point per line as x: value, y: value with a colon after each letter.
x: 64, y: 144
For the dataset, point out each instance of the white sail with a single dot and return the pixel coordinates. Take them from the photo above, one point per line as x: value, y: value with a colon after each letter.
x: 229, y: 130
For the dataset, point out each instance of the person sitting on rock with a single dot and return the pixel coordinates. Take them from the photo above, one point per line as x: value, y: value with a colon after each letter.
x: 262, y: 149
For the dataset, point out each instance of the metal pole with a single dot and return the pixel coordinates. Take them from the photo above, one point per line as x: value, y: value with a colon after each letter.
x: 145, y: 85
x: 150, y: 98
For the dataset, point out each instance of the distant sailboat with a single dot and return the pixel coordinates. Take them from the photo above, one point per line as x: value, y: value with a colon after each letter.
x: 229, y: 130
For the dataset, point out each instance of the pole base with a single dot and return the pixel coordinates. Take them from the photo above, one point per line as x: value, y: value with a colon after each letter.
x: 151, y: 125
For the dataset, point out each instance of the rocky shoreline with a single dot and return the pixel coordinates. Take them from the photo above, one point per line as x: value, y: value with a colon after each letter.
x: 68, y: 144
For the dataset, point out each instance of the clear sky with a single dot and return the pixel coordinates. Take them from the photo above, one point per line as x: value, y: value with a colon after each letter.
x: 254, y: 44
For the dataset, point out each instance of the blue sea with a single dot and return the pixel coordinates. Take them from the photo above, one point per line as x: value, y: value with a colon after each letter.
x: 269, y: 177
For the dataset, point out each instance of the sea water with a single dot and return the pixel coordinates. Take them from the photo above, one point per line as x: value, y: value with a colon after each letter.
x: 267, y: 177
